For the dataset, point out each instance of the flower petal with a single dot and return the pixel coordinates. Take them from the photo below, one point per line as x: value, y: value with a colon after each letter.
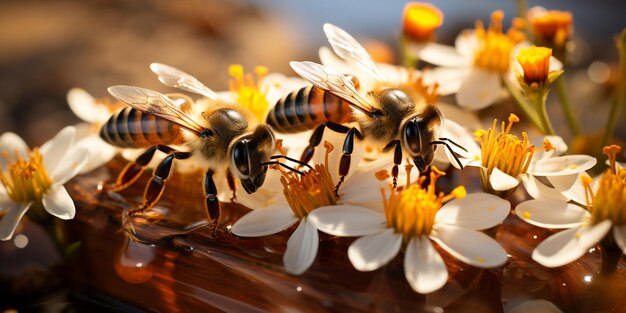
x: 263, y: 222
x: 58, y: 202
x: 558, y: 143
x: 53, y: 151
x: 72, y: 163
x: 479, y: 90
x: 301, y: 248
x: 619, y: 232
x: 563, y: 165
x: 360, y: 185
x: 343, y: 220
x: 569, y: 245
x: 11, y: 219
x: 475, y: 211
x: 370, y: 252
x: 424, y: 268
x: 551, y: 213
x: 9, y: 144
x: 538, y: 190
x: 448, y: 78
x: 100, y: 152
x: 536, y: 306
x: 502, y: 181
x: 86, y: 107
x: 466, y: 43
x: 442, y: 55
x: 469, y: 246
x: 337, y: 139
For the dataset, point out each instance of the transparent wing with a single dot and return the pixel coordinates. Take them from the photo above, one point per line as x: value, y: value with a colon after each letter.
x: 348, y: 48
x: 325, y: 78
x: 173, y: 77
x: 157, y: 104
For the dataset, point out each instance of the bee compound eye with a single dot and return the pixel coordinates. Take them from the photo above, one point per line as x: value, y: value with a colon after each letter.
x: 241, y: 157
x: 412, y: 136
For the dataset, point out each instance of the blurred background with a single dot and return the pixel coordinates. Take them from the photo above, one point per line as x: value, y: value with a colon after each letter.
x: 48, y: 47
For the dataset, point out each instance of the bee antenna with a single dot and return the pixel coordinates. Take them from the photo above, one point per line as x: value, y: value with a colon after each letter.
x: 283, y: 165
x: 280, y: 156
x: 444, y: 142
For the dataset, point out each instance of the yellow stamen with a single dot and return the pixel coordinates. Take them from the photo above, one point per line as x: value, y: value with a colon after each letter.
x: 420, y: 20
x: 248, y: 89
x: 495, y: 47
x: 314, y: 189
x: 535, y: 62
x: 25, y: 180
x: 429, y: 92
x: 504, y: 150
x: 411, y: 210
x: 609, y: 200
x: 552, y: 27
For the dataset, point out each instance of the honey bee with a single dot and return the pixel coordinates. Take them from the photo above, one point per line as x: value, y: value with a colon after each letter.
x: 395, y: 116
x: 224, y: 135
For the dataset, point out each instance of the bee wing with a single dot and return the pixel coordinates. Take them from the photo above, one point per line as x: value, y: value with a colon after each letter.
x: 327, y: 79
x: 348, y: 48
x: 173, y: 77
x: 157, y: 104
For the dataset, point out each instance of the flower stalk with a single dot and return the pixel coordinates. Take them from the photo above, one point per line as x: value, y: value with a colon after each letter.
x: 620, y: 93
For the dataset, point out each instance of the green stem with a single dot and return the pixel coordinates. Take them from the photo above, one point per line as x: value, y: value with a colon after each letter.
x: 561, y: 93
x: 538, y: 99
x: 407, y: 58
x: 620, y: 93
x: 525, y: 106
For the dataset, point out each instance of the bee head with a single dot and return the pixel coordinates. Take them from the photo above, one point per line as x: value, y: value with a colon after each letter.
x: 417, y: 135
x: 248, y: 154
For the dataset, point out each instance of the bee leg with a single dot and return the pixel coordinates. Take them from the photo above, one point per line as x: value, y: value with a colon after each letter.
x: 397, y: 159
x: 231, y: 184
x: 344, y: 163
x: 210, y: 191
x: 133, y: 170
x: 155, y: 187
x: 316, y: 138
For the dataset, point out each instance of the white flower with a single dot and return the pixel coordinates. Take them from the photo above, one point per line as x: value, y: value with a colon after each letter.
x: 287, y: 199
x: 505, y: 160
x: 605, y: 210
x: 475, y: 67
x: 36, y: 177
x: 415, y: 216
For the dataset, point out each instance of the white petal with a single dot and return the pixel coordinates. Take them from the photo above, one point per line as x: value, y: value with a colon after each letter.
x: 424, y: 268
x: 86, y: 107
x: 479, y: 90
x: 455, y: 114
x: 569, y: 245
x: 53, y: 151
x: 11, y: 219
x: 551, y: 214
x: 469, y: 246
x: 301, y: 249
x: 565, y: 182
x: 448, y: 78
x: 100, y: 152
x: 442, y: 55
x: 370, y: 252
x: 58, y: 202
x: 343, y: 220
x: 263, y: 222
x: 563, y: 165
x: 466, y: 43
x: 9, y: 144
x: 362, y: 185
x: 558, y: 143
x: 619, y: 232
x: 71, y: 165
x: 536, y: 306
x: 538, y: 190
x: 502, y: 181
x: 476, y: 211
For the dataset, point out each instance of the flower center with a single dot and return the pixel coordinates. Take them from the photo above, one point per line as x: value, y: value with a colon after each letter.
x: 248, y: 90
x: 25, y: 180
x: 314, y: 189
x: 505, y: 151
x: 494, y: 48
x: 609, y: 201
x: 552, y: 27
x: 421, y: 20
x: 411, y: 210
x: 535, y: 62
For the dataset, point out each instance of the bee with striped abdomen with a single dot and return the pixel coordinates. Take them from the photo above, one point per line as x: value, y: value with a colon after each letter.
x: 223, y: 135
x: 395, y: 116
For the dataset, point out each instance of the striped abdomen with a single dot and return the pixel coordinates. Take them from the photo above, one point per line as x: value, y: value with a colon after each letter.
x: 130, y: 128
x: 306, y: 108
